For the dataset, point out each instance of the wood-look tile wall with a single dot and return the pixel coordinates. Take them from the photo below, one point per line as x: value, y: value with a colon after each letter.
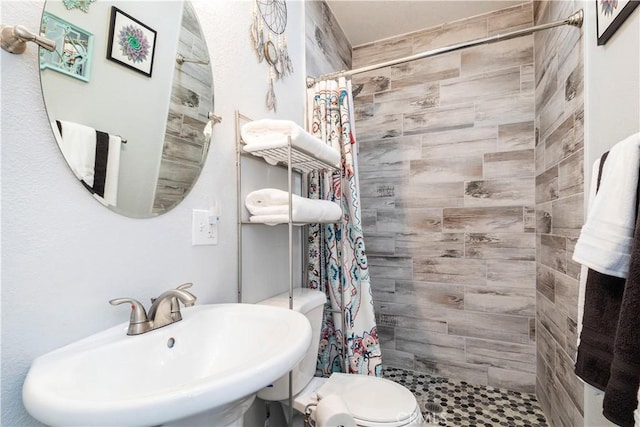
x: 559, y: 195
x: 327, y: 49
x: 185, y: 145
x: 448, y: 189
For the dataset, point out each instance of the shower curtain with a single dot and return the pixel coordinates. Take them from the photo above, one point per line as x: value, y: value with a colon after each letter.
x: 336, y: 257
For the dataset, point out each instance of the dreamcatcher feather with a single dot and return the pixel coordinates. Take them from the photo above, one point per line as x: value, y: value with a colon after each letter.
x: 268, y: 39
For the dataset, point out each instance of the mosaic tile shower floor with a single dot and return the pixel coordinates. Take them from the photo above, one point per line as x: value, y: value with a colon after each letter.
x: 465, y: 404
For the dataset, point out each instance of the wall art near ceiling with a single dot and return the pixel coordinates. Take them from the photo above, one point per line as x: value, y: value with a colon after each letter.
x: 131, y: 43
x: 74, y: 47
x: 267, y: 35
x: 610, y: 14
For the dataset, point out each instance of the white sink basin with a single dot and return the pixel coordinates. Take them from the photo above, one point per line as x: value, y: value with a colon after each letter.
x: 221, y: 356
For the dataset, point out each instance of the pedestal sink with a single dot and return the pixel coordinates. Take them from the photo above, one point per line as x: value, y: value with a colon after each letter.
x: 203, y: 369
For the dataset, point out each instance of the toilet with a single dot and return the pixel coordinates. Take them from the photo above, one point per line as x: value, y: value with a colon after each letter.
x: 371, y: 401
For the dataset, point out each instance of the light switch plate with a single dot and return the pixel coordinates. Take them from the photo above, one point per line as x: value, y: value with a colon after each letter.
x: 203, y: 232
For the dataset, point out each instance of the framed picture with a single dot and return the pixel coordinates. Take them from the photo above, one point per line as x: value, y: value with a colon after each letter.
x: 131, y: 43
x: 74, y: 47
x: 610, y: 14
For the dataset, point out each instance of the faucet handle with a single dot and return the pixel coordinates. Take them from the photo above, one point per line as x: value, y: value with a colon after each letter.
x: 181, y: 287
x: 138, y: 322
x: 175, y: 304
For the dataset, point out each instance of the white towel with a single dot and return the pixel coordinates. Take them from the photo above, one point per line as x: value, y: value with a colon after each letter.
x: 636, y: 413
x: 582, y: 286
x: 268, y: 133
x: 269, y: 219
x: 271, y: 206
x: 606, y: 238
x: 78, y: 146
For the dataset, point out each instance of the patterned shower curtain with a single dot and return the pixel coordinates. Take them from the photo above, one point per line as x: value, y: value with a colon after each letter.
x: 337, y: 256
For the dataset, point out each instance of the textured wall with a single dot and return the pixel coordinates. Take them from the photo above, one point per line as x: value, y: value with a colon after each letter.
x: 64, y: 255
x: 559, y: 209
x: 326, y: 47
x: 448, y: 195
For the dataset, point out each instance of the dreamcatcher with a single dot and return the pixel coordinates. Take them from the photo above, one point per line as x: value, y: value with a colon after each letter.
x: 267, y: 34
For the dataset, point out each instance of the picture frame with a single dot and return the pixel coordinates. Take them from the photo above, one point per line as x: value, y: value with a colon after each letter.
x: 610, y: 14
x: 131, y: 43
x: 74, y: 48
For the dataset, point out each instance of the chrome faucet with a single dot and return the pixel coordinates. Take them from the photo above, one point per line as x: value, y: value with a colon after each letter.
x: 164, y: 310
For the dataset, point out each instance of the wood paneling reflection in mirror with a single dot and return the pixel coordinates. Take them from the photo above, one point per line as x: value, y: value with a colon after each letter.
x: 188, y: 131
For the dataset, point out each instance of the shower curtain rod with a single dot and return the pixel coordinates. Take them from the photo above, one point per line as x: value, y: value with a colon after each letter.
x: 573, y: 20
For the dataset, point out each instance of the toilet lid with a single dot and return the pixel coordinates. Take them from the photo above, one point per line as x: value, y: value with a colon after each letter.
x: 372, y: 399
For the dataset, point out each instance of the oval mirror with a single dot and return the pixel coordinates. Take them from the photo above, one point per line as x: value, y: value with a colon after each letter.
x: 129, y: 95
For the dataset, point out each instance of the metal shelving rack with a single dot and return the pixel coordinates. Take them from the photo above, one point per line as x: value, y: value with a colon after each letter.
x: 295, y: 160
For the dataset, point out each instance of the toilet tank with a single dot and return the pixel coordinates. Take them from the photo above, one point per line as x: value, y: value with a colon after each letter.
x: 309, y: 302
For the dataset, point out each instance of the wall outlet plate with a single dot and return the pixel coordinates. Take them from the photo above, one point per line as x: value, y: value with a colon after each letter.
x: 204, y: 231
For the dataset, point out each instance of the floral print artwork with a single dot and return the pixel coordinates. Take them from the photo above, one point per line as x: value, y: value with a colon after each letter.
x: 608, y: 6
x: 337, y: 258
x: 133, y: 43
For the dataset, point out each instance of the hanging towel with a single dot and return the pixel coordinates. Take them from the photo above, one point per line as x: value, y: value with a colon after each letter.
x: 94, y: 157
x: 584, y: 270
x: 102, y: 157
x: 110, y: 194
x: 636, y: 413
x: 602, y: 299
x: 268, y: 134
x: 620, y: 398
x: 603, y: 296
x: 78, y: 145
x: 271, y: 206
x: 608, y: 352
x: 606, y: 238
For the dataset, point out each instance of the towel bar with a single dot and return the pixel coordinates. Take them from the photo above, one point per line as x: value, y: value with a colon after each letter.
x: 14, y: 39
x: 181, y: 59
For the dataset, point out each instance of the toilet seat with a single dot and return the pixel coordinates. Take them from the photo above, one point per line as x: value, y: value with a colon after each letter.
x: 373, y: 401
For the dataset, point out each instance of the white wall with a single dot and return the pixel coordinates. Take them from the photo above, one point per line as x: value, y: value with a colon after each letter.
x: 612, y: 85
x: 612, y: 112
x: 64, y: 255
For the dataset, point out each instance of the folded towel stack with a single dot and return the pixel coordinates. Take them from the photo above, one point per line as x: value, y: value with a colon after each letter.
x: 607, y: 236
x: 271, y: 206
x: 268, y: 134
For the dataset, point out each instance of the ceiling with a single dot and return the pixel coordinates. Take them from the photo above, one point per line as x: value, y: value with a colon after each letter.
x: 365, y: 21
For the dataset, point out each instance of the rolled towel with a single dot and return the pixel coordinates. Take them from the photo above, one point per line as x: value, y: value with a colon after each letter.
x: 269, y: 133
x: 271, y: 206
x: 606, y: 238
